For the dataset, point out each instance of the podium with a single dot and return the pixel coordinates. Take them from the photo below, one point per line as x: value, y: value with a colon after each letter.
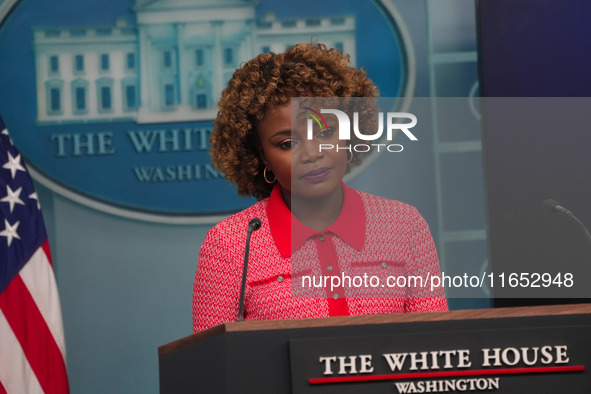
x: 544, y: 349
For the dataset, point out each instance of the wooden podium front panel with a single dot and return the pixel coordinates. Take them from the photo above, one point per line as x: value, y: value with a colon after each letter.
x: 255, y: 357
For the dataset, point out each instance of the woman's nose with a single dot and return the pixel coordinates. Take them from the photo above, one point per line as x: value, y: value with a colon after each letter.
x: 310, y: 151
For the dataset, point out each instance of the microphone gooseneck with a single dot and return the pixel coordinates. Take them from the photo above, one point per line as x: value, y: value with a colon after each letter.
x: 253, y: 225
x: 554, y: 206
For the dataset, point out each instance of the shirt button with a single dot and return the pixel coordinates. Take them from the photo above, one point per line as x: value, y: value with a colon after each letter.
x: 384, y: 265
x: 322, y: 238
x: 329, y: 268
x: 335, y: 296
x: 280, y: 279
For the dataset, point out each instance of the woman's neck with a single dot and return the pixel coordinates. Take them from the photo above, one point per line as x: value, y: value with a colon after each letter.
x: 318, y: 213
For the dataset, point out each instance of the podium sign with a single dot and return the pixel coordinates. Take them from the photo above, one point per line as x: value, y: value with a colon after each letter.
x: 552, y: 360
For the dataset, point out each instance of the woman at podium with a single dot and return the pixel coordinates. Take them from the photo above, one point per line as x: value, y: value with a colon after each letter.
x: 321, y: 249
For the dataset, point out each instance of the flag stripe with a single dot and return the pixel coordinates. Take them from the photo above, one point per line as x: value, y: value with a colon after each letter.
x: 32, y: 346
x: 36, y: 340
x: 38, y: 276
x: 45, y: 247
x: 16, y: 375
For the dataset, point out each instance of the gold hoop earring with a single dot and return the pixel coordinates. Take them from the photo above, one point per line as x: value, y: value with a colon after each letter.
x: 349, y: 160
x: 267, y: 179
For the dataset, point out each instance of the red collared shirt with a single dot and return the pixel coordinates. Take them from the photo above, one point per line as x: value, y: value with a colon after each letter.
x: 293, y: 270
x: 349, y: 227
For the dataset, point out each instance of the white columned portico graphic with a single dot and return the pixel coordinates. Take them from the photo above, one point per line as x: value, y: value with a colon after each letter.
x: 171, y: 66
x: 217, y: 58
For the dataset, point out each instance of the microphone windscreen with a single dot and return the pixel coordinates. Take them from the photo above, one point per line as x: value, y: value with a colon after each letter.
x: 254, y: 224
x: 551, y: 204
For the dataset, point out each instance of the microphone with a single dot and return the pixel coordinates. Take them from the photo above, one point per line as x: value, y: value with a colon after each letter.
x: 555, y: 207
x: 253, y: 225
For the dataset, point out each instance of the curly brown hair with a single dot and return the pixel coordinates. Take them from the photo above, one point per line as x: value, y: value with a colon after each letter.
x: 270, y: 80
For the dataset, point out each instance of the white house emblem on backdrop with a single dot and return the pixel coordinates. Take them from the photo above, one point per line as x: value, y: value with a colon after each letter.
x: 170, y: 67
x: 114, y: 109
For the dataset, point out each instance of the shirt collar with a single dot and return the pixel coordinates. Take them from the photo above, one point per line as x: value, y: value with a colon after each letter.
x: 349, y: 226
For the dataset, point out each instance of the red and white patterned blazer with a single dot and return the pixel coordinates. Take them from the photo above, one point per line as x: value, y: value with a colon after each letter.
x: 373, y: 238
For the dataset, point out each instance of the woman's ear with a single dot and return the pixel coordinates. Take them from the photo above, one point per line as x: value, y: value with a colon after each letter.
x: 261, y: 152
x: 263, y: 159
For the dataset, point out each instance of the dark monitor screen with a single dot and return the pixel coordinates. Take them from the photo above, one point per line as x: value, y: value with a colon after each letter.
x: 534, y: 48
x: 536, y: 149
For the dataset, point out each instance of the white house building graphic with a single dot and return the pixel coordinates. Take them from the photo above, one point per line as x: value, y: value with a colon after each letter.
x: 171, y: 66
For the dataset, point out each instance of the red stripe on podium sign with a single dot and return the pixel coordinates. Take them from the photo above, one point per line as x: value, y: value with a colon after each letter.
x: 445, y: 374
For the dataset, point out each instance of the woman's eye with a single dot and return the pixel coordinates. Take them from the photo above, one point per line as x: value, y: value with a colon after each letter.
x: 287, y: 144
x: 326, y: 133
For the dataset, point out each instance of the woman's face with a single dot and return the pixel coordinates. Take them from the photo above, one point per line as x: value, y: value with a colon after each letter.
x: 301, y: 168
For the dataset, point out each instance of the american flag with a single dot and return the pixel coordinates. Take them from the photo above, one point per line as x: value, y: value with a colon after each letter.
x: 32, y: 347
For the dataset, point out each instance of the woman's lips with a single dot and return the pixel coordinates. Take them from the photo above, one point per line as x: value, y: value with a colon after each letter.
x: 316, y: 175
